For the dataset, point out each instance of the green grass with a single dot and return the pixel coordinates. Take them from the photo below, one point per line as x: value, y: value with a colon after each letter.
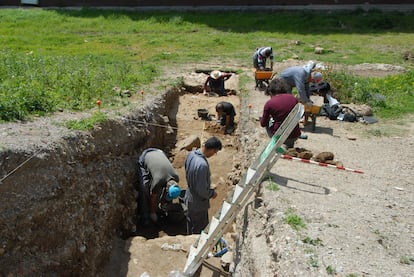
x: 330, y: 270
x: 294, y: 220
x: 314, y: 262
x: 272, y: 186
x: 311, y: 241
x: 389, y: 97
x: 406, y: 260
x: 86, y: 124
x: 67, y: 59
x: 33, y: 84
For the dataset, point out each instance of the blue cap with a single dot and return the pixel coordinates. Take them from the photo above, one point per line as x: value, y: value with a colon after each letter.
x: 173, y: 192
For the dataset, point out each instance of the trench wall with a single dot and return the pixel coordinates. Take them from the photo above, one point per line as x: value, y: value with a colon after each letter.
x: 60, y: 211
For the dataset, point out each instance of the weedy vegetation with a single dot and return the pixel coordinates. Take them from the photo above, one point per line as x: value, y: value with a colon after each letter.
x: 330, y: 270
x: 65, y: 60
x: 272, y: 186
x: 294, y: 220
x: 87, y: 123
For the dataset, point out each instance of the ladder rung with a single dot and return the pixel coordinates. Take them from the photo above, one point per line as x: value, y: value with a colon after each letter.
x: 250, y: 174
x: 202, y: 240
x: 224, y: 209
x: 213, y: 224
x: 237, y: 190
x: 192, y: 253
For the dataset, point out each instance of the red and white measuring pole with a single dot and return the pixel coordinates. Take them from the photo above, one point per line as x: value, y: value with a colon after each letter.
x: 287, y: 157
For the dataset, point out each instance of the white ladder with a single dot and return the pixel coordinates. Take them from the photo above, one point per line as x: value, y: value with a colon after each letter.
x: 242, y: 193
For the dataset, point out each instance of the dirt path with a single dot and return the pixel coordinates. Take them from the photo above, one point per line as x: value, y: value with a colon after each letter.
x: 358, y: 224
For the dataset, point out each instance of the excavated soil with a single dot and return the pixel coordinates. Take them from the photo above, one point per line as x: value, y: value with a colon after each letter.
x: 353, y: 224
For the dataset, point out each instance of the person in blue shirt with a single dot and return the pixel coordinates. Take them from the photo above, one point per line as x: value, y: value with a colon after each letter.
x: 300, y: 77
x: 199, y: 192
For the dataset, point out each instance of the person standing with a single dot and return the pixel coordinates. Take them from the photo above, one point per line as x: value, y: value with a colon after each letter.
x: 225, y: 115
x: 299, y: 77
x: 215, y: 81
x: 158, y: 182
x: 199, y: 192
x: 260, y: 57
x: 277, y: 108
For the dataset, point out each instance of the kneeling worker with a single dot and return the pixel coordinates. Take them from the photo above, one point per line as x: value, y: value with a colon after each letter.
x: 215, y: 82
x: 158, y: 183
x: 225, y: 115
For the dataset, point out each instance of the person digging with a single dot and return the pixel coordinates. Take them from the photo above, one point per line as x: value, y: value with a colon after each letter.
x: 215, y: 82
x: 158, y: 183
x: 225, y: 115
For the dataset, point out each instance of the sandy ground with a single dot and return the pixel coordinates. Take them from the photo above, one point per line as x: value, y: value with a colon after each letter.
x: 359, y: 224
x: 155, y: 250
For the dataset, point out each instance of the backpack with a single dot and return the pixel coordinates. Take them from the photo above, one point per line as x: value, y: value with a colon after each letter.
x: 349, y: 114
x: 339, y: 112
x: 321, y: 88
x: 332, y: 112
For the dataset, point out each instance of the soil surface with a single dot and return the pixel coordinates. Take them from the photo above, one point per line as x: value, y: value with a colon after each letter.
x: 361, y: 224
x: 354, y: 223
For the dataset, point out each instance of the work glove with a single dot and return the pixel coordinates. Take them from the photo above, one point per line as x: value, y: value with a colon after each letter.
x: 154, y: 217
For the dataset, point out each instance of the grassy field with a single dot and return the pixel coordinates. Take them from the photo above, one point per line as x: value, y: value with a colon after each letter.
x: 67, y: 59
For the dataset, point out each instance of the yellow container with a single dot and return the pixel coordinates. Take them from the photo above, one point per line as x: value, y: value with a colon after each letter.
x: 263, y: 75
x: 312, y: 109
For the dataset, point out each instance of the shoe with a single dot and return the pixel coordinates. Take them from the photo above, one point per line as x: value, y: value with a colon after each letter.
x: 229, y: 131
x: 303, y: 136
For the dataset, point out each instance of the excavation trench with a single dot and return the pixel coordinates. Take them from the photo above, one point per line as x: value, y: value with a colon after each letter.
x: 64, y: 202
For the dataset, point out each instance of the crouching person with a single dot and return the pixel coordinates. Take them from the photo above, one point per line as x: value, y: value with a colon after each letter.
x: 158, y: 182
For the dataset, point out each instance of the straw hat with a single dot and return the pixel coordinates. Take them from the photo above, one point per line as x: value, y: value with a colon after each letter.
x: 215, y: 74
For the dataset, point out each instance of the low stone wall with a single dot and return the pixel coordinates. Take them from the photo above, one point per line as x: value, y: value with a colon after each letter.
x: 60, y: 211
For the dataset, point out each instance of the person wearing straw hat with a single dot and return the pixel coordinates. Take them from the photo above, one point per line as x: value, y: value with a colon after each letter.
x: 215, y: 82
x: 300, y: 77
x: 158, y: 183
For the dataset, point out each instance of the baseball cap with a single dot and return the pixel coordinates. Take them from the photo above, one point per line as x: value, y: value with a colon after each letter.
x: 316, y: 76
